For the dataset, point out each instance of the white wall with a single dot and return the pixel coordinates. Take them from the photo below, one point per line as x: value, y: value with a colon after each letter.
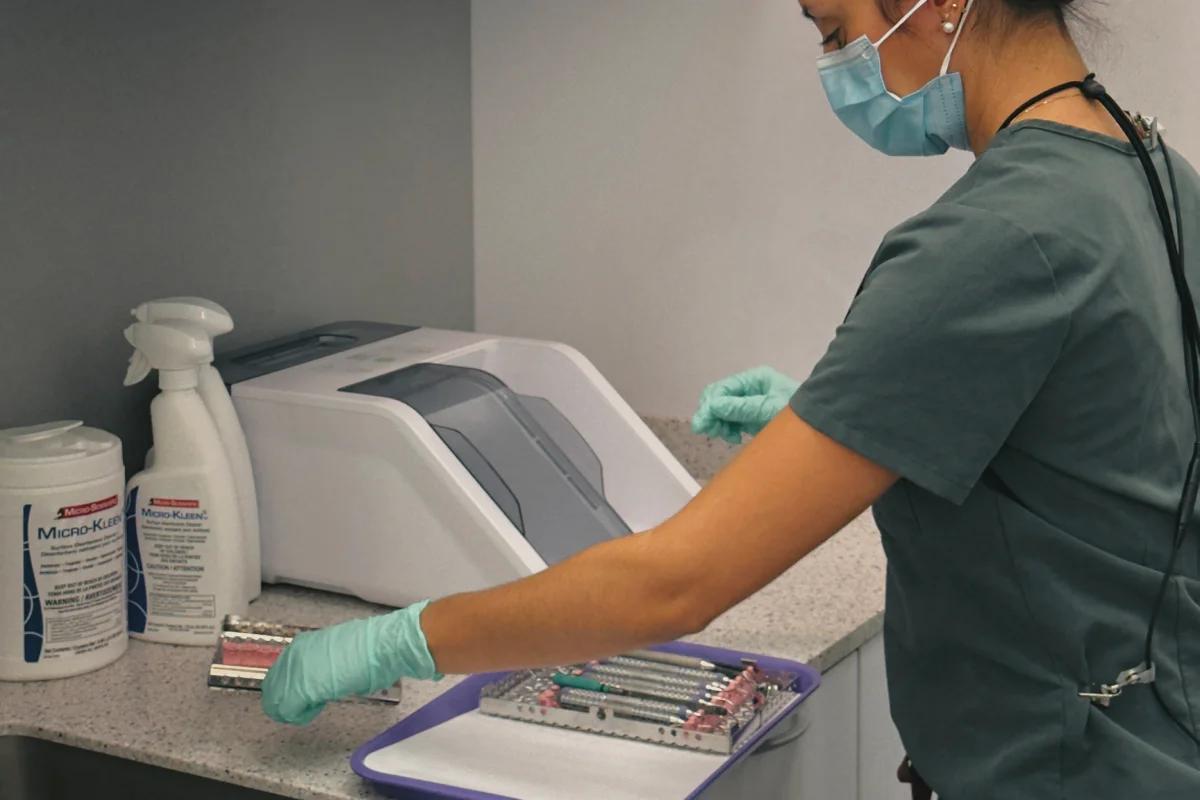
x: 661, y: 184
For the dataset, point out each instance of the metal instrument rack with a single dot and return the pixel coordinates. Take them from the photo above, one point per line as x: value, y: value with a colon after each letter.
x: 516, y: 697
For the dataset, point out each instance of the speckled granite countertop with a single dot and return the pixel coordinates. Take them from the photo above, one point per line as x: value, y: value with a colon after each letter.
x: 152, y: 705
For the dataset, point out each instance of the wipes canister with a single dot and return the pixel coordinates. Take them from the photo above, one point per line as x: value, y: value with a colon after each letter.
x: 62, y: 551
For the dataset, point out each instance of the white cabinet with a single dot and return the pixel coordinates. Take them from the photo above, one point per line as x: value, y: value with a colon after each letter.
x: 821, y: 764
x: 828, y: 760
x: 852, y: 749
x: 879, y: 747
x: 849, y: 750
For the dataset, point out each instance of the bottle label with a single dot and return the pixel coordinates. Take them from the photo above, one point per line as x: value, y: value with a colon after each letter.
x: 171, y: 588
x: 72, y: 578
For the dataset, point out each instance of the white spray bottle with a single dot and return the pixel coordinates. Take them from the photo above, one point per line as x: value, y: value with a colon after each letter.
x: 183, y: 527
x: 215, y: 321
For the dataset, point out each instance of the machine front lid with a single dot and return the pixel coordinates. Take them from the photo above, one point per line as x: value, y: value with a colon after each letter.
x: 522, y: 451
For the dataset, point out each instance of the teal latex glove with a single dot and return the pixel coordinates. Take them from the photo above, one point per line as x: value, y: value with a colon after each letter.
x: 354, y: 658
x: 742, y: 404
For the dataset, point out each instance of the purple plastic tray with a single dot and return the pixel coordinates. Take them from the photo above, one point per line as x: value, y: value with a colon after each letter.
x: 465, y: 697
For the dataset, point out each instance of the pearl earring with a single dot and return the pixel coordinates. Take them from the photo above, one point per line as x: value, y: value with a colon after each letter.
x: 949, y: 27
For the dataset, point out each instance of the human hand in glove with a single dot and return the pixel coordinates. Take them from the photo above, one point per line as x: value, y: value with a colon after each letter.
x: 742, y: 404
x: 353, y: 658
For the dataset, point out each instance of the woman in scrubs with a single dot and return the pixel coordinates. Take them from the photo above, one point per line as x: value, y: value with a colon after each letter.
x: 1008, y: 392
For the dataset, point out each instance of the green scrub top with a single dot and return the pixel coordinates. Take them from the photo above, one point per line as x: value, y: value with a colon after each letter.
x: 1016, y: 357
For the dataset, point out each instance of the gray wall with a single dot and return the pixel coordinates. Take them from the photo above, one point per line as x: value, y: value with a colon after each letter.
x: 298, y: 161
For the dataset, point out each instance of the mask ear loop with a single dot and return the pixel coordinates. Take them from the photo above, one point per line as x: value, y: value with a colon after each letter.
x: 962, y: 24
x: 903, y: 20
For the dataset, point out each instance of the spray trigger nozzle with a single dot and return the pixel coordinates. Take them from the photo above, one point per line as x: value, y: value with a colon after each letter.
x: 176, y: 349
x: 139, y: 368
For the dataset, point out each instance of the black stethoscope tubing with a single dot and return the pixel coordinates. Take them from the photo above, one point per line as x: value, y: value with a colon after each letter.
x: 1173, y: 238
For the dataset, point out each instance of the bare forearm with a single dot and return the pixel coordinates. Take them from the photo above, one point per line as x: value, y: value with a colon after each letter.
x: 616, y: 596
x: 789, y: 491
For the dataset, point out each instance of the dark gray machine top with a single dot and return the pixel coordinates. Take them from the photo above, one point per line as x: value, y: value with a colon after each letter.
x: 521, y: 450
x: 264, y: 358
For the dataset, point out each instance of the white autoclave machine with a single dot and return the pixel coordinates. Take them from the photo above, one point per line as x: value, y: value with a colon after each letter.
x: 397, y: 463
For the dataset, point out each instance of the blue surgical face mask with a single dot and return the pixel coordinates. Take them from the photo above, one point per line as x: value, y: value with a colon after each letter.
x: 927, y: 122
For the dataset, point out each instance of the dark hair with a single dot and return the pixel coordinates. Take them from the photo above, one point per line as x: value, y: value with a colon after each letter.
x: 1010, y: 11
x: 1032, y: 9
